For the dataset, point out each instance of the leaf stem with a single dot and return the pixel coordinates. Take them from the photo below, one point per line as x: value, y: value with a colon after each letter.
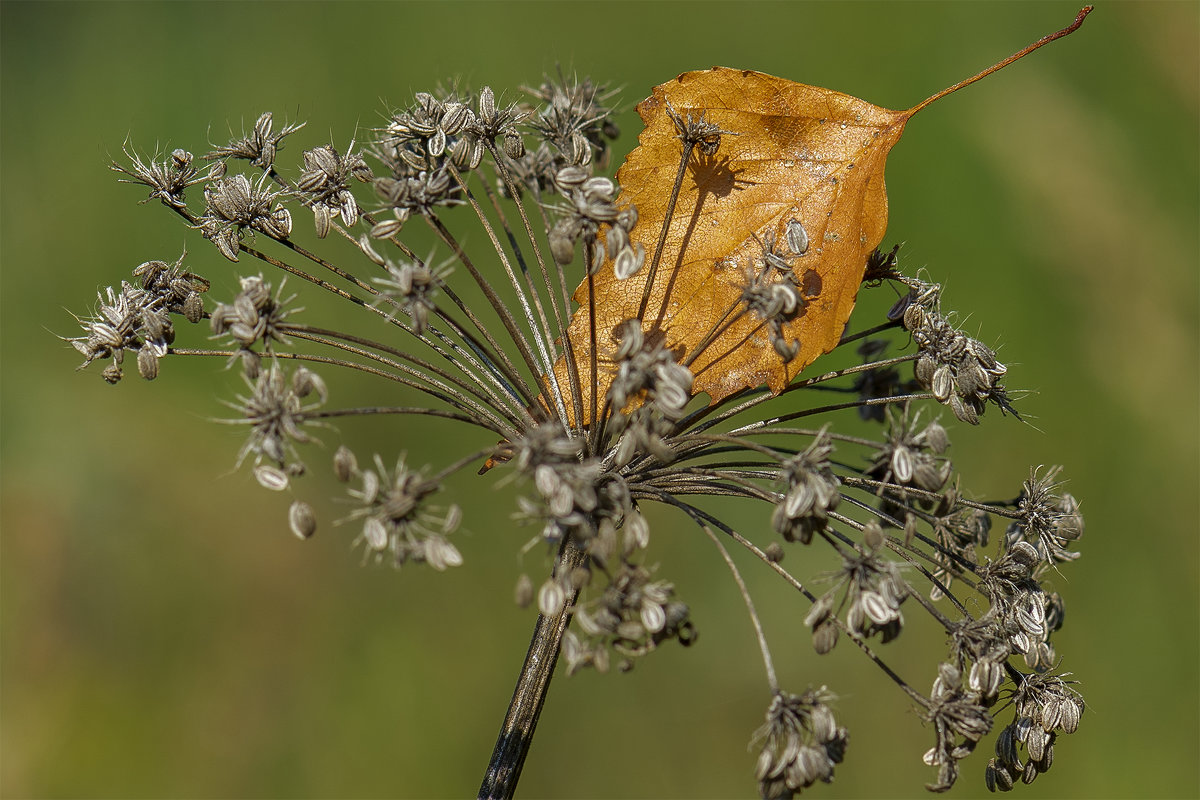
x: 1045, y: 40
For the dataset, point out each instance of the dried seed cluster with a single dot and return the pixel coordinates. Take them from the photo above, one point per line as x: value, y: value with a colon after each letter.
x: 515, y: 195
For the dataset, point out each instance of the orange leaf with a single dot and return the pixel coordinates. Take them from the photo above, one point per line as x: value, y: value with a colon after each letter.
x: 801, y: 178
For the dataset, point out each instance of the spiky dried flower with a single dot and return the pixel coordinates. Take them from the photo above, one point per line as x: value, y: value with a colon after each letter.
x: 325, y: 185
x: 260, y: 146
x: 890, y: 506
x: 236, y: 205
x: 167, y: 180
x: 801, y: 743
x: 255, y: 315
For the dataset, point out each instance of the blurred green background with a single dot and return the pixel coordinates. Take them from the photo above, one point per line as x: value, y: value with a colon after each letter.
x: 165, y: 636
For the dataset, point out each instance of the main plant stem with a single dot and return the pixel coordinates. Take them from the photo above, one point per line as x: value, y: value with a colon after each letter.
x: 516, y: 734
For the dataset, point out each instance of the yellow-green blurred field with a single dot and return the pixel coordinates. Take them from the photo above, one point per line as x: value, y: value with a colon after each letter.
x: 165, y: 636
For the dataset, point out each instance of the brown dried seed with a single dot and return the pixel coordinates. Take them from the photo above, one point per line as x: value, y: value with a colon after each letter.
x: 147, y: 363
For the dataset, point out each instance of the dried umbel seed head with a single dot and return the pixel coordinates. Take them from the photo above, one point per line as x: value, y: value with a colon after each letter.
x: 811, y: 492
x: 234, y: 205
x: 801, y: 743
x: 255, y: 315
x: 277, y: 410
x: 412, y: 287
x: 325, y: 185
x: 398, y: 519
x: 609, y: 361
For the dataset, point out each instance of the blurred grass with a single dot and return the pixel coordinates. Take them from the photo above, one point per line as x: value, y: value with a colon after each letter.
x: 163, y: 635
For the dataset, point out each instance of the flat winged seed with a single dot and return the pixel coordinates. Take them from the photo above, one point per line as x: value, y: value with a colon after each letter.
x: 370, y: 489
x: 387, y: 228
x: 375, y: 533
x: 820, y: 610
x: 571, y: 176
x: 799, y: 500
x: 344, y: 463
x: 600, y: 186
x: 797, y: 237
x: 280, y: 226
x: 936, y: 438
x: 597, y: 260
x: 877, y: 608
x: 1050, y: 714
x: 765, y: 764
x: 1036, y: 742
x: 364, y: 244
x: 630, y: 630
x: 785, y: 349
x: 440, y: 554
x: 147, y: 363
x: 476, y: 154
x: 271, y: 477
x: 523, y: 594
x: 873, y: 536
x: 1047, y: 759
x: 902, y: 465
x: 437, y: 143
x: 453, y: 518
x: 638, y: 530
x: 551, y: 598
x: 193, y: 308
x: 925, y: 365
x: 825, y: 637
x: 349, y: 209
x: 600, y: 661
x: 1022, y: 728
x: 514, y: 145
x: 654, y: 619
x: 998, y: 777
x: 1032, y: 618
x: 457, y: 117
x: 1070, y: 716
x: 302, y: 520
x: 985, y: 678
x: 227, y: 242
x: 627, y: 263
x: 658, y: 593
x: 1006, y: 745
x: 617, y: 239
x: 487, y: 104
x: 562, y: 246
x: 943, y: 383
